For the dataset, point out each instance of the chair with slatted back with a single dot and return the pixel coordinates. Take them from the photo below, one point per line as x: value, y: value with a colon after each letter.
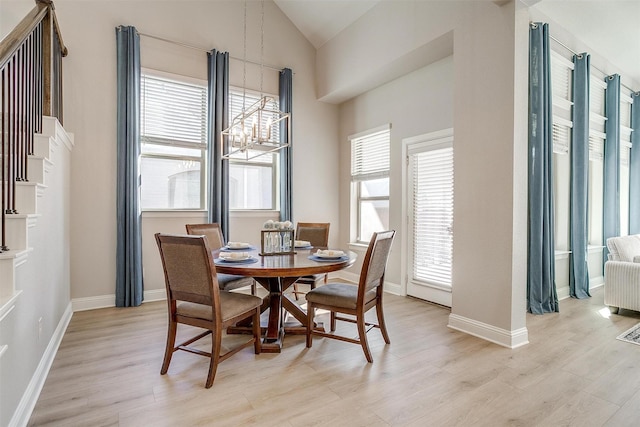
x: 194, y: 298
x: 213, y: 232
x: 355, y: 300
x: 317, y: 234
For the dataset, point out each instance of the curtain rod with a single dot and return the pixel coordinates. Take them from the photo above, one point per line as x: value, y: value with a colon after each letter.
x: 188, y: 46
x: 593, y: 66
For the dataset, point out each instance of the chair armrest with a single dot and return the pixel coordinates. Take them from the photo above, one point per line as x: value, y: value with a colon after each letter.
x: 622, y: 284
x: 624, y: 268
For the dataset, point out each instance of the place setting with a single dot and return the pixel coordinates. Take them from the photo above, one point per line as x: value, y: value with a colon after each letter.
x: 238, y: 246
x: 235, y: 257
x: 302, y: 244
x: 329, y: 255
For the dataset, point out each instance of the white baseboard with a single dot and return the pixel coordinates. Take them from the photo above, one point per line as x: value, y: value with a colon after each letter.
x: 503, y: 337
x: 594, y: 283
x: 105, y: 301
x: 346, y: 276
x: 563, y: 293
x: 30, y: 397
x: 392, y: 288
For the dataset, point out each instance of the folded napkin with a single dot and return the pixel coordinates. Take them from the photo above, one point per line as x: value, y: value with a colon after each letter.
x: 234, y: 255
x: 302, y: 243
x: 238, y: 245
x: 330, y: 252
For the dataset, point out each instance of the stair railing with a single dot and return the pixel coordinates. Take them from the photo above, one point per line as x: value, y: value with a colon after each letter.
x: 30, y: 87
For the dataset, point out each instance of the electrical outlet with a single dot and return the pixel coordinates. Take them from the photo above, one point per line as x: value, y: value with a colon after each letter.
x: 39, y: 328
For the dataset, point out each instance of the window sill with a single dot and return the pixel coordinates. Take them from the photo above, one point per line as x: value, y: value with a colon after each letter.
x: 198, y: 213
x: 561, y: 254
x: 191, y: 213
x: 356, y: 246
x: 270, y: 214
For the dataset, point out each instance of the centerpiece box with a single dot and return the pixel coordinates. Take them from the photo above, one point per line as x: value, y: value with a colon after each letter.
x: 277, y: 238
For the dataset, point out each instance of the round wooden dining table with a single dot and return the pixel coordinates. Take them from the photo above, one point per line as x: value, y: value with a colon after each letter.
x: 276, y: 273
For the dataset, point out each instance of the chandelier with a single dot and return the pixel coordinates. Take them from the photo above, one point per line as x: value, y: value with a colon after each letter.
x: 255, y: 131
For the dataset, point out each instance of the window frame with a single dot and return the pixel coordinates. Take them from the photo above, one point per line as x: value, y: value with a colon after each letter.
x: 358, y: 178
x: 167, y: 142
x: 275, y: 163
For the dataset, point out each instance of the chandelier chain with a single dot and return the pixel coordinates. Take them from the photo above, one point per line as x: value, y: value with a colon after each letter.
x: 244, y: 60
x: 261, y: 47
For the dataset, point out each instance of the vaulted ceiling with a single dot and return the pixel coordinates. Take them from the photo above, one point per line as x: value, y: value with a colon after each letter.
x: 609, y: 27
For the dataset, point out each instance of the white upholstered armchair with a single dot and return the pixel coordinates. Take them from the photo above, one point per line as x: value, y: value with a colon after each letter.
x: 622, y: 273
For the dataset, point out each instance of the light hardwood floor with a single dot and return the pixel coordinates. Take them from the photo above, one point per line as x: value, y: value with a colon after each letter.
x: 573, y: 373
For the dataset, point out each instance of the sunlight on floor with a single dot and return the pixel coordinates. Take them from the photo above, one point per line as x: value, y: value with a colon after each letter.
x: 604, y: 312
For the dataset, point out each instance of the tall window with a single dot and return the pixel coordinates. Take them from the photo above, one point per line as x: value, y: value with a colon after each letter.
x: 370, y: 182
x: 597, y: 88
x: 562, y: 83
x: 253, y: 183
x: 625, y: 153
x: 173, y: 141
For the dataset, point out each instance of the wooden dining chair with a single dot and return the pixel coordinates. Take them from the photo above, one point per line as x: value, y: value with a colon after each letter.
x: 355, y: 300
x: 213, y: 233
x: 317, y: 233
x: 194, y: 298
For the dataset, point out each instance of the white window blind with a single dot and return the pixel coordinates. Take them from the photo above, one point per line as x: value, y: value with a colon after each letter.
x: 597, y: 90
x: 561, y: 81
x: 561, y: 78
x: 370, y: 156
x: 433, y: 215
x: 561, y: 135
x: 625, y: 121
x: 625, y: 111
x: 597, y: 119
x: 596, y: 145
x: 625, y: 154
x: 174, y: 112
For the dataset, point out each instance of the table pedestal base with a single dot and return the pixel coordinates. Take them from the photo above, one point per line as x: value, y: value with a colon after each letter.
x: 276, y: 302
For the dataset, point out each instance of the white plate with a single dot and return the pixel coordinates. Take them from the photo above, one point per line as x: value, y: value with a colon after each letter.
x: 238, y: 245
x: 336, y: 254
x: 235, y: 259
x: 234, y: 256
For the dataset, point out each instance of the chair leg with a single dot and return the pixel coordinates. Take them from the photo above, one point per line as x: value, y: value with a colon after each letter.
x: 326, y: 277
x: 171, y: 343
x: 257, y: 336
x: 362, y: 331
x: 333, y: 321
x: 383, y: 326
x: 295, y: 290
x: 253, y: 288
x: 310, y: 317
x: 216, y: 343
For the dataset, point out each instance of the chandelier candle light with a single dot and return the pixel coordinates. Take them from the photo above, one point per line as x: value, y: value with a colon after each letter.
x: 251, y: 133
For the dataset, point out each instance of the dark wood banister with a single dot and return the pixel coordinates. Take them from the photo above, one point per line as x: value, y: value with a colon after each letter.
x: 44, y: 11
x: 15, y: 38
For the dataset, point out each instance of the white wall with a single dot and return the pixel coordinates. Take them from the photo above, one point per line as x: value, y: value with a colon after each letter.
x: 90, y: 112
x: 417, y: 103
x: 11, y: 13
x: 489, y: 106
x: 43, y: 281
